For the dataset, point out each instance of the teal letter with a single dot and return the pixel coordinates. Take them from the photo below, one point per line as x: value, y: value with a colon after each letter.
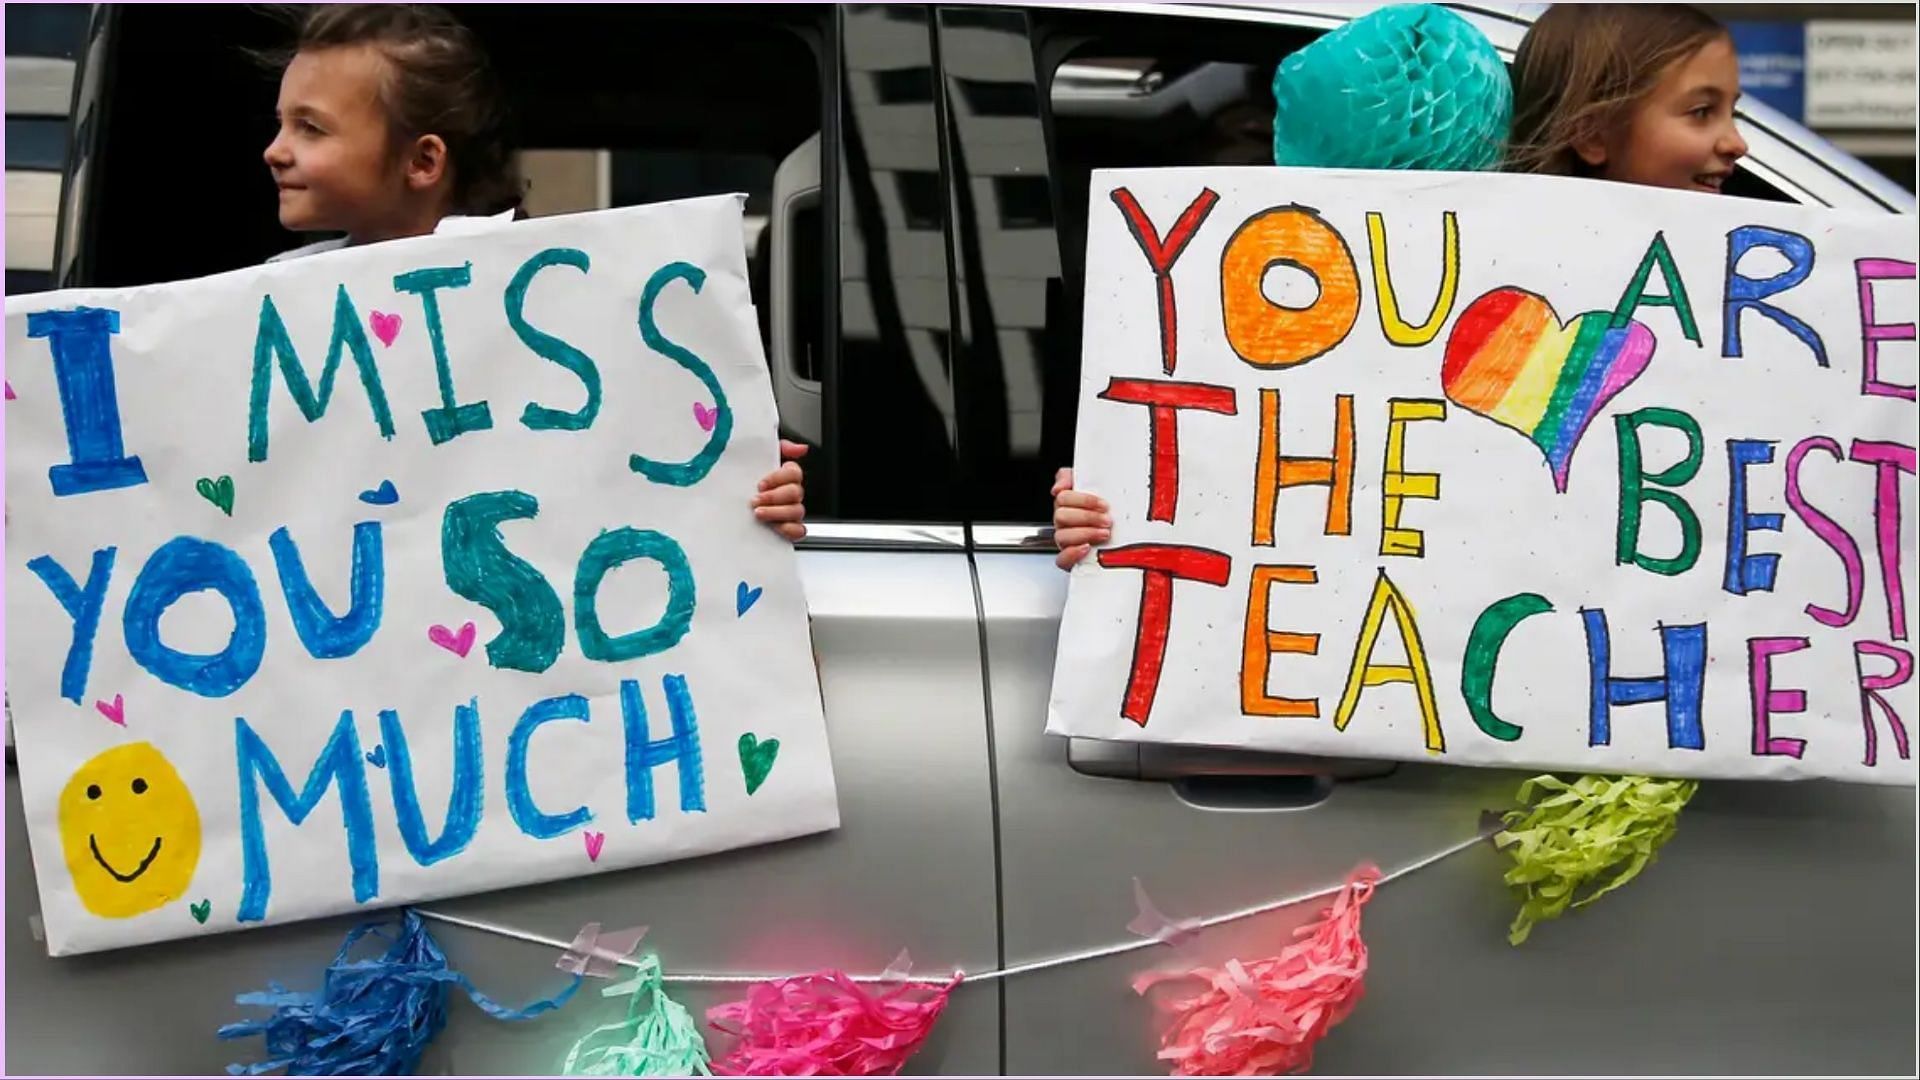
x: 450, y: 419
x: 271, y: 342
x: 687, y: 473
x: 539, y: 417
x: 609, y: 550
x: 533, y: 628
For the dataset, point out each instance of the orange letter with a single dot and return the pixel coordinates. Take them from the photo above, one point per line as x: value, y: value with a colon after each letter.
x: 1364, y: 672
x: 1262, y: 642
x: 1398, y: 485
x: 1264, y: 333
x: 1274, y: 471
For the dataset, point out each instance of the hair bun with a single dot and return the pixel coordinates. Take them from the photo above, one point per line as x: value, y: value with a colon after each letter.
x: 1412, y: 86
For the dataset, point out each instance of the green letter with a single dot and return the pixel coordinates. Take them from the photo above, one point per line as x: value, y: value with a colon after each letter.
x: 1490, y: 632
x: 1636, y: 296
x: 1634, y: 492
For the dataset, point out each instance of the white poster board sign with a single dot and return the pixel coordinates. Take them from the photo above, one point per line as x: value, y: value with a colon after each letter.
x: 400, y: 572
x: 1496, y: 470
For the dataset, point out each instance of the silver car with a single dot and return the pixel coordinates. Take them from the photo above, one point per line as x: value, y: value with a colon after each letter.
x: 917, y: 179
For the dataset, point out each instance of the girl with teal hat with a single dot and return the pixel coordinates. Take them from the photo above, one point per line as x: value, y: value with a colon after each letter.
x: 1412, y: 86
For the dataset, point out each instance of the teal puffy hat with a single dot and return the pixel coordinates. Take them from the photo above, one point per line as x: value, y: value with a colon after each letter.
x: 1412, y: 86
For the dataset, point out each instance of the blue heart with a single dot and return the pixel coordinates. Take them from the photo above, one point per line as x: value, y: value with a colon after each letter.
x: 377, y: 757
x: 384, y: 495
x: 743, y: 597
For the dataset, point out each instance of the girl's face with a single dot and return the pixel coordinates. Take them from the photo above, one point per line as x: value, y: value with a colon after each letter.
x: 1681, y: 135
x: 335, y: 159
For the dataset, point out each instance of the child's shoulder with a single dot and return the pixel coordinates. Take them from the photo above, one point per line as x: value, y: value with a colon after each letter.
x: 314, y: 248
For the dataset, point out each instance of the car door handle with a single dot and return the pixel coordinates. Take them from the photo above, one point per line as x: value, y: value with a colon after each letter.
x: 1156, y: 761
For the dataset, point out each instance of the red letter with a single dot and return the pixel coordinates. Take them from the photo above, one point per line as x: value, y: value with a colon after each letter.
x: 1767, y: 700
x: 1870, y: 687
x: 1163, y: 482
x: 1162, y: 254
x: 1889, y: 461
x: 1162, y: 563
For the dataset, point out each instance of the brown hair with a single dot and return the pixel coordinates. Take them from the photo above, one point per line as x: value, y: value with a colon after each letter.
x: 1582, y: 67
x: 439, y: 82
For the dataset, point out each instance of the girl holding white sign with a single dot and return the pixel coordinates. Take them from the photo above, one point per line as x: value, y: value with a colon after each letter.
x: 391, y: 125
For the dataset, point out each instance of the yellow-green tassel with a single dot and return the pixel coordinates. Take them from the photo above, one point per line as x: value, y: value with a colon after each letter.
x: 1575, y: 836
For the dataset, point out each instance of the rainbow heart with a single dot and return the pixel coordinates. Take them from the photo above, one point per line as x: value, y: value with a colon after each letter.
x: 1511, y: 360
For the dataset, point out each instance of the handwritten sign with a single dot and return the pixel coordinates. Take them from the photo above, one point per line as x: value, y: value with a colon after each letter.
x: 397, y: 573
x: 1496, y: 470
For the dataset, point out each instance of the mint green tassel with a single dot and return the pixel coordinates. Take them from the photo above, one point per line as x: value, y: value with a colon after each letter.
x: 659, y: 1037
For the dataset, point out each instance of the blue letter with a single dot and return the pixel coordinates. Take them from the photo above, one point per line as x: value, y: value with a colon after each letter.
x: 539, y: 417
x: 643, y: 757
x: 463, y: 802
x: 1744, y: 293
x: 82, y: 344
x: 689, y: 473
x: 341, y: 759
x: 183, y: 565
x: 271, y: 341
x: 1747, y: 573
x: 1681, y: 686
x: 327, y: 636
x: 84, y: 606
x: 610, y: 549
x: 519, y: 796
x: 450, y: 419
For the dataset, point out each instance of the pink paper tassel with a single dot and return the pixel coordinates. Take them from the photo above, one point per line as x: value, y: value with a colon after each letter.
x: 1263, y: 1018
x: 825, y: 1024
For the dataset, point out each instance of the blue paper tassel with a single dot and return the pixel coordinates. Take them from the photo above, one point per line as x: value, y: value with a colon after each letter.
x: 373, y: 1017
x: 1412, y: 86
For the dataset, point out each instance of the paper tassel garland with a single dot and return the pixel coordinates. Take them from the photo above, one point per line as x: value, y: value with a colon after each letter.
x: 371, y: 1017
x: 1579, y: 835
x: 1264, y: 1018
x: 825, y: 1024
x: 659, y: 1037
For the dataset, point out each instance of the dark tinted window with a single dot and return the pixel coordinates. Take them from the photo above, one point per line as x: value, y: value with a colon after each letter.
x: 36, y: 143
x: 56, y: 30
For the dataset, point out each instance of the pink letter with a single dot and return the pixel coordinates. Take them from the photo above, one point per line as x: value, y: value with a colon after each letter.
x: 1767, y: 700
x: 1869, y: 271
x: 1889, y: 461
x: 1828, y: 530
x: 1871, y: 685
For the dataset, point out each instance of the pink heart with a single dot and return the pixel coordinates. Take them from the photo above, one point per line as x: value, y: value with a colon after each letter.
x: 9, y: 391
x: 594, y: 841
x: 385, y: 327
x: 704, y: 416
x: 116, y: 712
x: 458, y: 644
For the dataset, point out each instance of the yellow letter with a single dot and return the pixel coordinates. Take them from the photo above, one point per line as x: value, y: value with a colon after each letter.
x: 1391, y: 324
x: 1363, y: 672
x: 1396, y: 484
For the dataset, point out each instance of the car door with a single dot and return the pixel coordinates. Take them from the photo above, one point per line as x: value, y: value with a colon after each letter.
x: 1780, y: 910
x: 658, y: 102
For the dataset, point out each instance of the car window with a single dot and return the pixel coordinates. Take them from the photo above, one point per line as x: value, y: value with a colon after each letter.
x: 42, y: 41
x: 821, y: 115
x: 1107, y: 90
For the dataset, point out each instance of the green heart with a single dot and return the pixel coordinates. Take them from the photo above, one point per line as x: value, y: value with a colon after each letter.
x: 218, y: 492
x: 756, y: 759
x: 201, y: 910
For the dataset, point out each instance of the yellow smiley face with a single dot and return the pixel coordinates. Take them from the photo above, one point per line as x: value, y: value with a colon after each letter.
x: 130, y: 832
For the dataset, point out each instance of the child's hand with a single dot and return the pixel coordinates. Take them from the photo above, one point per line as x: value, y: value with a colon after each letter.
x: 781, y: 500
x: 1080, y: 521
